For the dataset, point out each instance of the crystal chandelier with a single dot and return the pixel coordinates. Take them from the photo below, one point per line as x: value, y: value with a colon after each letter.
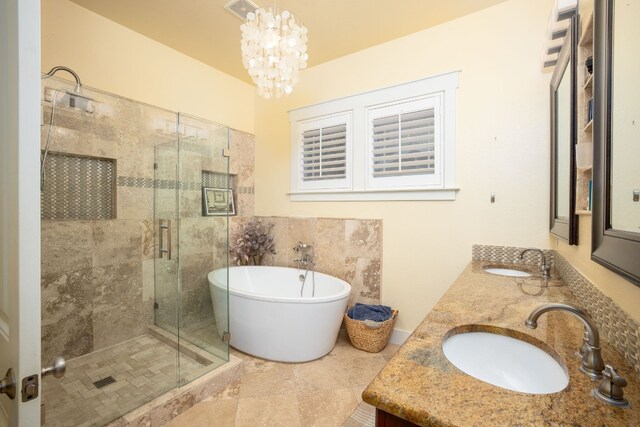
x: 274, y: 50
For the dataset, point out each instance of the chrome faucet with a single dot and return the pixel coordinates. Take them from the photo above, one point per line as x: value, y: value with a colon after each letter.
x: 305, y: 260
x: 544, y: 267
x: 301, y: 247
x: 611, y: 388
x: 592, y: 363
x: 306, y: 257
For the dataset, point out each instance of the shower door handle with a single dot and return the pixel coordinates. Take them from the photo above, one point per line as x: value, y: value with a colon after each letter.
x: 58, y: 368
x: 165, y: 226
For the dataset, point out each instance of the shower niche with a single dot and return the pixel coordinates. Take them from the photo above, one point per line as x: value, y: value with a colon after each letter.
x: 77, y: 187
x: 126, y: 252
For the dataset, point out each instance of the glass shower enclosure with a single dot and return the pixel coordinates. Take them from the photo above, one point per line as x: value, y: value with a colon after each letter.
x: 134, y: 218
x: 191, y: 236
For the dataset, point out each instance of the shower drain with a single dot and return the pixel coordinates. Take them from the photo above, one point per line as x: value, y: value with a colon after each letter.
x: 104, y: 382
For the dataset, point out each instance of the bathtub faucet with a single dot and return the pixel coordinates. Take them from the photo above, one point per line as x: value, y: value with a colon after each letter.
x: 306, y: 258
x: 307, y: 263
x: 301, y: 247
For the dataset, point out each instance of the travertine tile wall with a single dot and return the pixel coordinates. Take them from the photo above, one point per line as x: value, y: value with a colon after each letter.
x: 100, y: 277
x: 350, y: 249
x: 97, y: 275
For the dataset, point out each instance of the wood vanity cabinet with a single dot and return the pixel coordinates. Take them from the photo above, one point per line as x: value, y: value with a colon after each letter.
x: 385, y: 419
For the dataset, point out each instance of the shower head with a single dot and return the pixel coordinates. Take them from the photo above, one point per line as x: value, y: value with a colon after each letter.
x: 65, y: 98
x: 54, y: 70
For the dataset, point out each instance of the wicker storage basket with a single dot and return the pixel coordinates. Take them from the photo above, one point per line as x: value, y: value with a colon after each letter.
x: 368, y: 339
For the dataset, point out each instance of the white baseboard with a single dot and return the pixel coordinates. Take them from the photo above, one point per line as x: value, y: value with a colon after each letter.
x: 398, y: 336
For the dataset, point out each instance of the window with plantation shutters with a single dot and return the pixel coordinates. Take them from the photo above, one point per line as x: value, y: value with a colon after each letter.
x: 404, y: 143
x: 324, y: 145
x: 324, y: 153
x: 395, y: 143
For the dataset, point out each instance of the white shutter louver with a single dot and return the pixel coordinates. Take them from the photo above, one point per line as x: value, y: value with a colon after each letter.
x: 403, y: 144
x: 324, y: 152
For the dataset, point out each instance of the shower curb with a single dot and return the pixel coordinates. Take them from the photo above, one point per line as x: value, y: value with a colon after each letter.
x: 171, y: 404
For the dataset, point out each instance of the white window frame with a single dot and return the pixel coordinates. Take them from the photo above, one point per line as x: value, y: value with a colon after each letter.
x: 423, y: 181
x: 323, y: 122
x: 360, y: 186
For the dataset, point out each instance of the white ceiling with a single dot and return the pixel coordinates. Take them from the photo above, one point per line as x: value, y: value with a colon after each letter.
x: 204, y: 30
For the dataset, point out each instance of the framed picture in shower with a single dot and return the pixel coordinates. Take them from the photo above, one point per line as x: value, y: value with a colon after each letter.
x: 217, y: 201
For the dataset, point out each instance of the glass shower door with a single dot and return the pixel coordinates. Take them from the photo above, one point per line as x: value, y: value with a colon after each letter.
x: 166, y: 232
x: 192, y: 202
x: 204, y: 202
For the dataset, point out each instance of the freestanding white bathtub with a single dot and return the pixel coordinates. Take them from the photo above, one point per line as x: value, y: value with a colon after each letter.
x: 269, y: 319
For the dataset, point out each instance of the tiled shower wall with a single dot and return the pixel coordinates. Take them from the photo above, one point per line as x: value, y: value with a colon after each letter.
x: 98, y: 276
x: 350, y: 249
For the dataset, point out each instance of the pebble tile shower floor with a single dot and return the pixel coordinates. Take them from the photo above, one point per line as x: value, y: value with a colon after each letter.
x: 143, y: 368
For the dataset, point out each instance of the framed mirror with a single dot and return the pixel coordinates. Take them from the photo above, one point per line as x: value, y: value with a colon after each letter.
x: 563, y: 218
x: 616, y: 174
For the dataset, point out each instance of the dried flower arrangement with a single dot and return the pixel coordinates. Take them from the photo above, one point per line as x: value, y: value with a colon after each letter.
x: 251, y: 242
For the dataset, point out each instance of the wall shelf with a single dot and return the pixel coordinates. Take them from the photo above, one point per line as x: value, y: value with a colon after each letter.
x: 584, y: 176
x: 586, y: 40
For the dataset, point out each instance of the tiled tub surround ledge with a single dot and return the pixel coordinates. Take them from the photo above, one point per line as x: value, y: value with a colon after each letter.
x: 420, y: 385
x: 347, y: 248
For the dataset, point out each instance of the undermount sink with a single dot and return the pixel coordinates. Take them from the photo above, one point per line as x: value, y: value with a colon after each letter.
x: 511, y: 272
x: 505, y: 362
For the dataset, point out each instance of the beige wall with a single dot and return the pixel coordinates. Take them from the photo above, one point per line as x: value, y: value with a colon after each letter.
x: 113, y: 58
x: 502, y: 147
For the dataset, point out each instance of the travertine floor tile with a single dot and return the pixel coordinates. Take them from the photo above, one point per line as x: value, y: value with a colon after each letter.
x: 221, y: 412
x: 325, y: 392
x: 269, y: 411
x: 326, y: 407
x: 266, y: 379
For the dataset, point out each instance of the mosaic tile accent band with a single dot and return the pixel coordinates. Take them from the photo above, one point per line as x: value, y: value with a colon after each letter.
x: 130, y: 181
x: 509, y: 255
x: 209, y: 179
x: 217, y: 180
x: 77, y: 187
x: 245, y: 190
x: 619, y: 328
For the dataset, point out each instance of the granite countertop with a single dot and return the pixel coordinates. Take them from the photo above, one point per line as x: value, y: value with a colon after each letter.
x: 420, y: 385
